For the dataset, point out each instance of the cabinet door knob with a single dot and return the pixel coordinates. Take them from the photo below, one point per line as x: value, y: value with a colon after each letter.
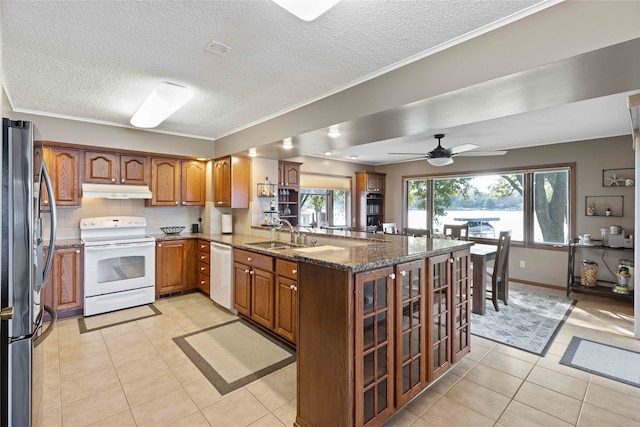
x: 122, y: 179
x: 202, y: 268
x: 251, y: 272
x: 202, y: 282
x: 202, y: 257
x: 184, y: 203
x: 46, y: 202
x: 392, y: 276
x: 176, y: 202
x: 403, y: 273
x: 77, y: 251
x: 246, y: 271
x: 159, y: 245
x: 294, y: 271
x: 249, y: 259
x: 291, y: 287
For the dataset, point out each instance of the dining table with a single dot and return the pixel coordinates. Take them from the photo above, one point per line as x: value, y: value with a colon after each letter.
x: 481, y: 254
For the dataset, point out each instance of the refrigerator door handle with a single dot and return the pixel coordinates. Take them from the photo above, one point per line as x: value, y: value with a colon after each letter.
x: 44, y: 175
x: 43, y: 336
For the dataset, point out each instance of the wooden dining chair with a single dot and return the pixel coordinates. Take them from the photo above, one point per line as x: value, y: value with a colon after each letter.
x: 456, y: 232
x: 389, y: 228
x: 417, y: 232
x: 500, y: 273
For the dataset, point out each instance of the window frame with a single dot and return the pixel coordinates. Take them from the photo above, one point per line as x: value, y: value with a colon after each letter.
x: 528, y: 206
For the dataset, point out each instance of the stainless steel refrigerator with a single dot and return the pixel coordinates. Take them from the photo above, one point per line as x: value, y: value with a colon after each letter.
x: 23, y: 273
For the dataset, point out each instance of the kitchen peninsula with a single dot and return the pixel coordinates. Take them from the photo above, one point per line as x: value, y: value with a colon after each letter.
x: 378, y: 321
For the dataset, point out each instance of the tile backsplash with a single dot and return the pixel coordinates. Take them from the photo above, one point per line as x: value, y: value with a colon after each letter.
x: 69, y: 219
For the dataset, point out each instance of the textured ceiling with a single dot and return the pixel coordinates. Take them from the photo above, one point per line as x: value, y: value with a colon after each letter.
x: 98, y: 60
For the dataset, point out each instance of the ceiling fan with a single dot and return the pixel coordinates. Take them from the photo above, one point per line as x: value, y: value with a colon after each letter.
x: 441, y: 156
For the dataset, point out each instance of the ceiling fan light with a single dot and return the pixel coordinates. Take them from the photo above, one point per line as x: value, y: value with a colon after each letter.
x: 440, y: 161
x: 307, y: 10
x: 162, y: 102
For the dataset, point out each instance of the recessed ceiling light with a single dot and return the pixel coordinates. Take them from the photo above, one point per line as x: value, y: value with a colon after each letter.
x: 353, y: 157
x: 162, y: 102
x: 202, y: 159
x: 287, y: 144
x: 252, y: 152
x: 217, y: 48
x: 334, y: 131
x: 328, y: 153
x: 307, y: 10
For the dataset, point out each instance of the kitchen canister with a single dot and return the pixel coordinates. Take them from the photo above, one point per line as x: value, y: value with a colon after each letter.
x: 226, y: 224
x: 589, y: 273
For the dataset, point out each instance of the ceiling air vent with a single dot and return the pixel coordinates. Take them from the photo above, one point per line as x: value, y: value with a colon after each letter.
x: 217, y: 48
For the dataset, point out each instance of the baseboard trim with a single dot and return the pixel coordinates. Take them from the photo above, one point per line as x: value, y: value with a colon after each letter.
x: 541, y: 285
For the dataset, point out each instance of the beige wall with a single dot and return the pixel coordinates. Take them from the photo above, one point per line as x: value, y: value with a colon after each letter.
x: 591, y: 157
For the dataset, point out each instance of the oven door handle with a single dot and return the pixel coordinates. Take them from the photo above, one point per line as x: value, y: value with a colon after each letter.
x: 118, y: 246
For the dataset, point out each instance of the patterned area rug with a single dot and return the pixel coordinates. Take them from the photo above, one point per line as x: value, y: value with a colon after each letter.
x: 529, y: 322
x: 616, y: 363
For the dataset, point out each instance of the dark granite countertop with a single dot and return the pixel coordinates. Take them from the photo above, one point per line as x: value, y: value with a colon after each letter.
x: 361, y: 255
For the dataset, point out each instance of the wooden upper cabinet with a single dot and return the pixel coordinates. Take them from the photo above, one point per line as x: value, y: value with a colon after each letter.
x: 63, y: 165
x: 100, y: 168
x: 134, y: 170
x: 289, y: 175
x: 375, y: 183
x: 231, y: 180
x: 112, y: 168
x: 165, y: 182
x: 193, y: 183
x: 177, y: 182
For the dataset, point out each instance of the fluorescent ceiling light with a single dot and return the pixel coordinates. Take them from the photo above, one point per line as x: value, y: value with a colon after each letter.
x: 334, y: 131
x: 440, y: 161
x: 287, y: 144
x: 327, y: 153
x: 162, y: 102
x: 252, y: 152
x: 307, y: 10
x: 353, y: 157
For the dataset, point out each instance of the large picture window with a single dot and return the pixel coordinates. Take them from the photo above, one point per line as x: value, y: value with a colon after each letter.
x: 534, y: 204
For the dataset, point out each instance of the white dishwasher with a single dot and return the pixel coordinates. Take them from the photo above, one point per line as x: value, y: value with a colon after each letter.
x: 221, y: 276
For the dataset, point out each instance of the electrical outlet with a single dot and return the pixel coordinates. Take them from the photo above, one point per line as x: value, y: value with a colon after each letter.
x: 157, y: 221
x: 523, y: 264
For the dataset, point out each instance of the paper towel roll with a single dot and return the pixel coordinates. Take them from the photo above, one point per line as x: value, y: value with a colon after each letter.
x: 226, y: 224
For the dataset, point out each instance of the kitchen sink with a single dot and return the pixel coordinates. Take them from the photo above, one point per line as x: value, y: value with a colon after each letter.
x: 317, y: 249
x: 273, y: 245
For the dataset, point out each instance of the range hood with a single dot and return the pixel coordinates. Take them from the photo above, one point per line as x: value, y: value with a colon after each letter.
x: 111, y: 191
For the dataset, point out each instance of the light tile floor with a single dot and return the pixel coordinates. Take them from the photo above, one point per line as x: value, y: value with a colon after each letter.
x: 134, y: 375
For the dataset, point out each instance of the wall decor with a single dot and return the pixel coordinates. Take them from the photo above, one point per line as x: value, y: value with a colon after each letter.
x: 604, y: 205
x: 618, y: 177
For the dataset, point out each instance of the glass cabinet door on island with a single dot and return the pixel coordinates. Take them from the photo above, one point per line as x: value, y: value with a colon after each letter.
x: 411, y: 321
x: 440, y: 313
x: 374, y: 346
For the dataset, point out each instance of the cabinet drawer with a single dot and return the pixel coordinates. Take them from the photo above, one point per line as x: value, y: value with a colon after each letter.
x: 203, y: 282
x: 204, y: 256
x: 253, y: 259
x: 203, y: 246
x: 287, y: 268
x: 203, y: 268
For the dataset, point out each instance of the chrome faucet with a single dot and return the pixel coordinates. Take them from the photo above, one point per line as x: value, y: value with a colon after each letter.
x: 282, y: 220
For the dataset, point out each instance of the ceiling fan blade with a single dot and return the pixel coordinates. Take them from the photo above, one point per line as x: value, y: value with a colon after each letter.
x: 411, y: 154
x: 483, y: 153
x: 461, y: 148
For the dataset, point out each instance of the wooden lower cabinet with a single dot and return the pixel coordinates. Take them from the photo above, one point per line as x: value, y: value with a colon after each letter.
x: 175, y: 270
x: 203, y: 266
x: 286, y: 299
x: 262, y: 297
x: 369, y: 342
x: 63, y: 290
x: 254, y: 290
